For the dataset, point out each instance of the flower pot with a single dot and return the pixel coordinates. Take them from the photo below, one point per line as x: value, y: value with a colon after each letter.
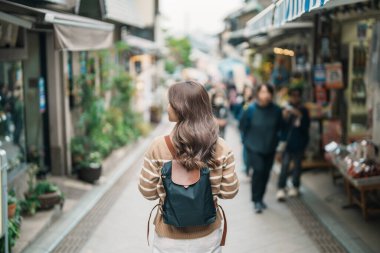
x: 91, y: 174
x: 11, y: 210
x: 49, y: 200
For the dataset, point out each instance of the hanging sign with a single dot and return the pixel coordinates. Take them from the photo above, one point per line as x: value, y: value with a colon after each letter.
x: 319, y: 74
x: 334, y: 76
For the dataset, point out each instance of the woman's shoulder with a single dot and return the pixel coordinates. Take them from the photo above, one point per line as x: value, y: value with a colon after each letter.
x: 157, y: 146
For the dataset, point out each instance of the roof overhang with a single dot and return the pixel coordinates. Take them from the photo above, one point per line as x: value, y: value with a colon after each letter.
x: 72, y: 32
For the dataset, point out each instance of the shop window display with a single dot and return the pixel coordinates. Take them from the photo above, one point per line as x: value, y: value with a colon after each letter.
x: 12, y: 131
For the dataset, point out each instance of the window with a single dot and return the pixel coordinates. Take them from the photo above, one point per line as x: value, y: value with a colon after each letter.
x: 12, y: 130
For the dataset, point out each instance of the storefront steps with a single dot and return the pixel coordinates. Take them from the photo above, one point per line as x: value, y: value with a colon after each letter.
x: 44, y: 231
x: 328, y: 203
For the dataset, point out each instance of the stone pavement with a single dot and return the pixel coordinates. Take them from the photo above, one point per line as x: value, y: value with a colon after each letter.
x: 123, y: 228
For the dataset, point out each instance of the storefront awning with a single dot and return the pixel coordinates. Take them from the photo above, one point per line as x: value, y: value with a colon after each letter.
x: 72, y: 32
x: 329, y: 4
x: 261, y: 22
x: 283, y: 11
x: 145, y: 45
x: 132, y: 12
x: 289, y: 10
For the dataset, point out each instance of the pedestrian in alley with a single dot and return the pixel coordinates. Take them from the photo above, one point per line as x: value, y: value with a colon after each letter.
x: 191, y: 158
x: 220, y: 110
x: 261, y: 125
x: 248, y: 98
x: 297, y: 138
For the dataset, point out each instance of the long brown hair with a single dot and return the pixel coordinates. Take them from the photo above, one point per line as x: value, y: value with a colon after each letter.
x: 196, y: 132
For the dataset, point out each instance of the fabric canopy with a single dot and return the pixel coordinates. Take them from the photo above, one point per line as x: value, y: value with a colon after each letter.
x: 72, y: 32
x: 260, y: 23
x: 74, y: 38
x: 283, y: 11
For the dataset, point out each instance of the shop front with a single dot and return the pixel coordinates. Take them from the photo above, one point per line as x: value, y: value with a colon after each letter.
x: 36, y: 99
x: 351, y: 77
x: 12, y: 122
x: 344, y: 90
x: 23, y: 97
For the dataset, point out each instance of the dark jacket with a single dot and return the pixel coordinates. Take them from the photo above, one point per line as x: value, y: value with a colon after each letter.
x: 220, y: 111
x: 261, y: 130
x: 297, y: 137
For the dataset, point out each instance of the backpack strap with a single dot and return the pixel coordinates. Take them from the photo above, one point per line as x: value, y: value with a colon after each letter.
x: 224, y: 235
x: 148, y: 227
x: 170, y: 145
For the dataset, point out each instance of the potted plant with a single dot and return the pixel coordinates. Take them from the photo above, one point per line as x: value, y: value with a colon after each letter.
x: 90, y: 168
x: 78, y: 150
x: 12, y: 204
x: 29, y: 205
x: 48, y: 195
x: 40, y: 195
x: 14, y: 228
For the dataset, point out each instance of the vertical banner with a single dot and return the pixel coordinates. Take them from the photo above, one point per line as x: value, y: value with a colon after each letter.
x: 41, y: 89
x: 334, y: 76
x: 319, y: 74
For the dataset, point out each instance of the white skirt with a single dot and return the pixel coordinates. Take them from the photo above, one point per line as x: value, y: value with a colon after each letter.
x: 207, y: 244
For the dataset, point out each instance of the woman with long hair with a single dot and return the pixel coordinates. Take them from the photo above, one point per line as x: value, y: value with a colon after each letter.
x: 195, y: 145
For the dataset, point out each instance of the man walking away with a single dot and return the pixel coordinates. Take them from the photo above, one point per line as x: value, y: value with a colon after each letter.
x: 297, y: 132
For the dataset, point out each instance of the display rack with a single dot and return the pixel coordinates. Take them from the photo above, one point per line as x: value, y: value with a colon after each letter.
x: 362, y: 186
x: 357, y: 115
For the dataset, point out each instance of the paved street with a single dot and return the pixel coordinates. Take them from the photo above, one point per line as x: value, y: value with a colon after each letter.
x: 276, y: 230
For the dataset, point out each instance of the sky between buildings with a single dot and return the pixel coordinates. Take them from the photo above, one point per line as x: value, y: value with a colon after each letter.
x: 193, y: 16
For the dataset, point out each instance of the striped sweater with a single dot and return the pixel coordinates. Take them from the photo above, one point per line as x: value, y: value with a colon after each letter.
x: 224, y: 183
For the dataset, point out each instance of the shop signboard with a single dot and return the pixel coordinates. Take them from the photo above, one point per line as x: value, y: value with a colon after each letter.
x: 362, y: 31
x: 334, y: 76
x: 319, y: 74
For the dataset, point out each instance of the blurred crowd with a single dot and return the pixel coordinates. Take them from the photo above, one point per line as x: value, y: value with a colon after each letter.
x: 269, y: 125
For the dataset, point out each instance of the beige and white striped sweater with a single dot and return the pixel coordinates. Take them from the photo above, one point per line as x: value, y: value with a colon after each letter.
x: 224, y: 183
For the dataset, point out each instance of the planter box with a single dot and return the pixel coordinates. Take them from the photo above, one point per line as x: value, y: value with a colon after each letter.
x: 49, y: 200
x: 90, y: 175
x: 11, y: 210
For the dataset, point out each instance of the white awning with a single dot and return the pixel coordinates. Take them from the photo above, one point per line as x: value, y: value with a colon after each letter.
x: 72, y: 32
x: 132, y: 12
x: 141, y: 43
x: 289, y: 10
x: 285, y: 11
x: 329, y: 4
x: 261, y: 22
